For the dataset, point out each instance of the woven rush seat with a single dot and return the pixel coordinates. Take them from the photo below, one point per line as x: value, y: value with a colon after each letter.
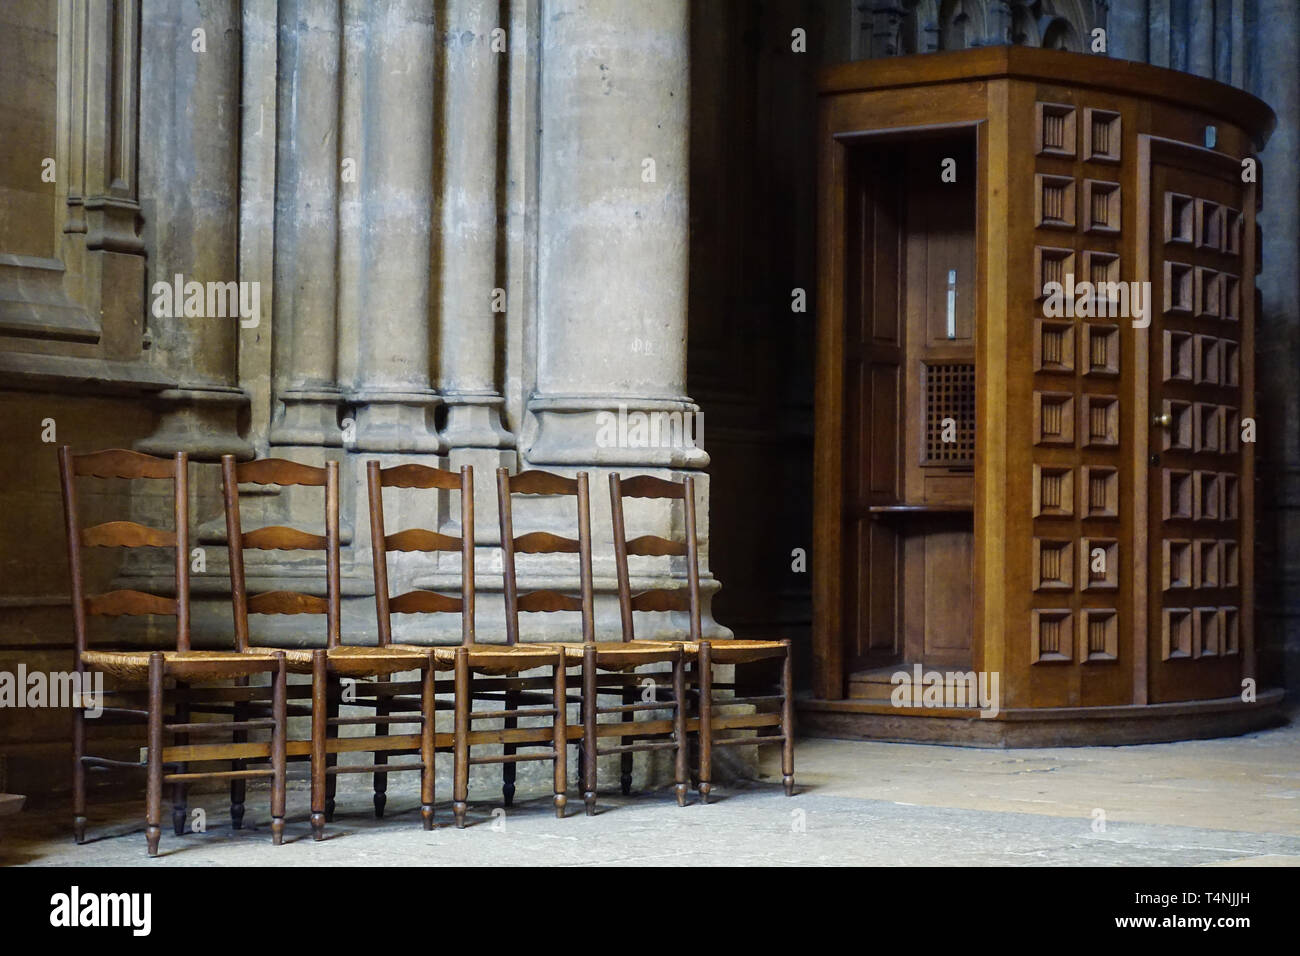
x: 737, y: 650
x: 498, y: 658
x: 133, y: 666
x: 354, y: 660
x: 626, y: 655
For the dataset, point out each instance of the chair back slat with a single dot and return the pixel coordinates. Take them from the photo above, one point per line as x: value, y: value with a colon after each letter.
x: 660, y: 599
x: 542, y: 483
x: 120, y: 463
x: 285, y: 473
x: 287, y: 602
x: 653, y: 546
x: 418, y: 476
x: 282, y: 472
x: 421, y: 539
x: 543, y: 542
x: 546, y: 601
x: 126, y: 601
x: 126, y: 534
x: 281, y: 538
x: 424, y: 602
x: 648, y: 486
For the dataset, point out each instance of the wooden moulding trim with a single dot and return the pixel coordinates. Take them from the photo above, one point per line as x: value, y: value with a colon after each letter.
x: 1125, y: 77
x: 827, y: 543
x: 1266, y: 698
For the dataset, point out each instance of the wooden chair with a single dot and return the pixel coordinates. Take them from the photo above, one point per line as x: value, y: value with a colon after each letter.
x: 701, y: 653
x: 481, y: 671
x: 607, y: 667
x: 152, y: 668
x: 335, y: 661
x: 412, y: 476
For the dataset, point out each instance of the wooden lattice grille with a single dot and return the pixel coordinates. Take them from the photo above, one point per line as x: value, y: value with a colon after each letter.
x: 949, y: 413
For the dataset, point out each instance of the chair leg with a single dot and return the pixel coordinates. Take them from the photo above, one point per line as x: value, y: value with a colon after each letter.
x: 319, y: 723
x: 460, y: 787
x: 509, y: 771
x: 679, y: 726
x: 78, y: 774
x: 590, y: 699
x: 334, y: 694
x: 560, y: 738
x: 238, y: 788
x: 787, y: 721
x: 153, y: 788
x: 625, y: 760
x: 178, y: 788
x: 383, y: 707
x: 581, y: 772
x: 704, y: 680
x: 279, y: 747
x: 428, y: 728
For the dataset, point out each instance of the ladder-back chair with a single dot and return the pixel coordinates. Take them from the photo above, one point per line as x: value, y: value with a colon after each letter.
x: 481, y: 671
x: 151, y: 668
x: 335, y: 661
x: 775, y: 711
x: 608, y: 669
x: 419, y: 601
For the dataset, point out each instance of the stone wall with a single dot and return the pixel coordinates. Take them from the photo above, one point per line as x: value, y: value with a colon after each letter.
x: 460, y: 233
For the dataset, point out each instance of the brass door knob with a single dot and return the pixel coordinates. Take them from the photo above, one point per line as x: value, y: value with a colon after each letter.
x: 1164, y: 421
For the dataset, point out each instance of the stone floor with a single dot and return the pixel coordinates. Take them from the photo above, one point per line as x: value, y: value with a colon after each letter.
x: 1227, y: 802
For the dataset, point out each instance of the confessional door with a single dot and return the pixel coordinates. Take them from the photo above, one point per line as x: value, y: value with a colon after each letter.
x: 910, y: 403
x: 1201, y: 385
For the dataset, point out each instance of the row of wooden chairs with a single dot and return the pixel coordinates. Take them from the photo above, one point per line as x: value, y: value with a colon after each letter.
x: 219, y: 684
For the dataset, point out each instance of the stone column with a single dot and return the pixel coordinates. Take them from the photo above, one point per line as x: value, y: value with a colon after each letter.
x: 1200, y: 38
x: 469, y: 307
x: 1126, y: 32
x: 612, y: 229
x: 306, y: 225
x: 189, y: 185
x: 393, y: 394
x: 1278, y: 338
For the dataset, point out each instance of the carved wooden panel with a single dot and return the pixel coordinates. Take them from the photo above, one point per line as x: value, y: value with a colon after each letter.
x: 1080, y: 428
x: 1197, y: 388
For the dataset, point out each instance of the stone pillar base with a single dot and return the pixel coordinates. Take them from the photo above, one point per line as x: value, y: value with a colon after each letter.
x: 485, y: 462
x: 474, y: 420
x: 202, y: 420
x: 308, y: 417
x: 615, y: 430
x: 396, y: 421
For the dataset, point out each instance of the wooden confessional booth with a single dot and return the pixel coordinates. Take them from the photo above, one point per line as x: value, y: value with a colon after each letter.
x: 1016, y: 480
